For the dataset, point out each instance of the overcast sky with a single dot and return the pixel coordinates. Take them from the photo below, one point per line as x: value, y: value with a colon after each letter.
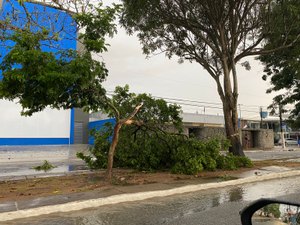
x: 166, y: 78
x: 162, y: 77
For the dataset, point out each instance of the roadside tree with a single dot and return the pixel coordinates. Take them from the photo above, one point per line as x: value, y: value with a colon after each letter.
x: 217, y: 34
x: 138, y: 118
x: 154, y: 114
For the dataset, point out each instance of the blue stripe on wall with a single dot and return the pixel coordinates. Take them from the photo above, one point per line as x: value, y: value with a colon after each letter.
x: 72, y: 126
x: 34, y: 141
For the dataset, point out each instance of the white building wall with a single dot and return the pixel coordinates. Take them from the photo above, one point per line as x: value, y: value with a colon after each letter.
x: 47, y: 124
x: 202, y: 118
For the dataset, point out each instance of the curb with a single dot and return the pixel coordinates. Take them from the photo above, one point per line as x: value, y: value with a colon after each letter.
x: 93, y: 203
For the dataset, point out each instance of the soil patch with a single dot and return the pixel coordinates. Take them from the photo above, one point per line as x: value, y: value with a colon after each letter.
x: 38, y: 187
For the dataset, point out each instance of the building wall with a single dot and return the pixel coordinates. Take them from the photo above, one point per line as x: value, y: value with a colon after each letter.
x: 47, y: 127
x: 50, y: 126
x: 207, y: 132
x: 98, y: 125
x: 264, y: 139
x: 258, y: 138
x: 202, y: 118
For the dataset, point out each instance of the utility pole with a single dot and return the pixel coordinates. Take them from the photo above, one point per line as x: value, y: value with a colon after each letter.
x: 281, y: 131
x: 261, y: 121
x: 240, y: 124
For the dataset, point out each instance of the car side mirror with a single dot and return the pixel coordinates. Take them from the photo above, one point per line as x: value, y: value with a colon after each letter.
x: 271, y: 212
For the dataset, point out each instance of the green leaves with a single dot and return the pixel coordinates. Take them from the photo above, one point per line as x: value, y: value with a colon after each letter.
x: 155, y: 112
x: 97, y: 23
x: 282, y: 67
x: 145, y: 143
x: 65, y: 79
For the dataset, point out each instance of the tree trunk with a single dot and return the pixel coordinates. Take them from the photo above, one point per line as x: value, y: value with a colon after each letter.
x: 231, y: 127
x: 112, y: 149
x: 117, y: 127
x: 229, y: 99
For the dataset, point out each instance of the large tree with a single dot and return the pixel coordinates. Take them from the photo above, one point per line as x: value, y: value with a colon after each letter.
x: 217, y: 34
x: 282, y: 67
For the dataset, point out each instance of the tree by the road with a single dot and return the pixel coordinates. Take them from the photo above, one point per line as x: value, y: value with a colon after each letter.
x: 133, y: 114
x: 271, y: 210
x: 151, y: 138
x: 217, y: 34
x: 154, y: 114
x: 282, y: 67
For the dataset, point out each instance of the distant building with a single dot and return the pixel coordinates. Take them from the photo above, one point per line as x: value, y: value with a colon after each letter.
x: 203, y: 126
x: 270, y: 123
x: 199, y: 125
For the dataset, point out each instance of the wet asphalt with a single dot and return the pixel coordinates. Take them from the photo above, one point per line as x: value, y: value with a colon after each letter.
x: 208, y: 207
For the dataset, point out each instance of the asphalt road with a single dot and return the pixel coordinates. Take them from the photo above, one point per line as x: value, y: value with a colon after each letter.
x: 211, y: 207
x: 293, y: 154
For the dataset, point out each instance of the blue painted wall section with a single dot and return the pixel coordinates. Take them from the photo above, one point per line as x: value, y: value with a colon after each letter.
x: 57, y: 22
x: 98, y: 125
x: 34, y: 141
x: 72, y: 118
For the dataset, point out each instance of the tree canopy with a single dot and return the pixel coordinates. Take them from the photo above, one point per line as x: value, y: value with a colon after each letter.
x: 39, y: 71
x: 154, y: 113
x: 282, y: 68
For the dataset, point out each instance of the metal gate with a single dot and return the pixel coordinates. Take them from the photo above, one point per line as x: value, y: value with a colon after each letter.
x: 78, y: 133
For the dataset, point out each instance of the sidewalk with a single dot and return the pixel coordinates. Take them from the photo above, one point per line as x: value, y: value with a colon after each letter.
x: 117, y: 194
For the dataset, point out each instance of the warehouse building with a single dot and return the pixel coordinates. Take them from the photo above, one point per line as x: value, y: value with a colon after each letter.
x: 50, y: 127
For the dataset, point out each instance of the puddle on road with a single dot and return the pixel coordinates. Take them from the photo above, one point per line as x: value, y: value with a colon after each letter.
x: 14, y: 172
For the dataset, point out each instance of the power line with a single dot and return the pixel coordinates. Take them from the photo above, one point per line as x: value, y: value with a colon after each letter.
x: 182, y: 101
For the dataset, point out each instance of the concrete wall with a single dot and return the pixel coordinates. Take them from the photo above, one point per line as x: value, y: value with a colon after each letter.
x: 258, y: 138
x: 264, y: 139
x: 207, y: 132
x: 251, y: 138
